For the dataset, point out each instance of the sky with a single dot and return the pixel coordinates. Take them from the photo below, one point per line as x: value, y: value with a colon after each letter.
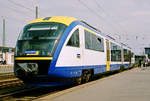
x: 126, y: 20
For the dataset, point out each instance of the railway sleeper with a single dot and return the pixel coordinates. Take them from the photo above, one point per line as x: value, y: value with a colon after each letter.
x: 121, y: 68
x: 10, y: 83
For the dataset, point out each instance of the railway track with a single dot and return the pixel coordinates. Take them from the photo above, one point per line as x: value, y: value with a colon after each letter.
x: 4, y: 76
x: 17, y: 92
x: 10, y: 86
x: 32, y: 93
x: 10, y: 82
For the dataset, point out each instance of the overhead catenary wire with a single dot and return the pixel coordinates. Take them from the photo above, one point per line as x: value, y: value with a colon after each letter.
x: 99, y: 17
x: 34, y: 4
x: 20, y: 5
x: 91, y: 10
x: 109, y: 16
x: 110, y: 22
x: 13, y: 19
x: 19, y: 12
x: 19, y: 15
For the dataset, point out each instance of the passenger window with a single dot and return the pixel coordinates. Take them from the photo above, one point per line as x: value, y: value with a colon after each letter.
x: 115, y: 52
x: 74, y: 40
x: 93, y: 42
x: 99, y: 40
x: 88, y: 40
x: 126, y: 55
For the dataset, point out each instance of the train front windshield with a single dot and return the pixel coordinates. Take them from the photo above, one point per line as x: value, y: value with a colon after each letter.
x: 39, y: 39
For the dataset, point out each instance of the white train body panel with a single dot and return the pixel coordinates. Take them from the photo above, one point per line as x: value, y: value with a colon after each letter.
x: 94, y: 58
x: 68, y: 55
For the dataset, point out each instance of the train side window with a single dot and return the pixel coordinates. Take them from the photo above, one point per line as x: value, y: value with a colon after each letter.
x: 97, y: 43
x: 115, y: 52
x: 99, y: 40
x: 74, y: 39
x: 88, y: 40
x: 126, y: 55
x: 93, y: 42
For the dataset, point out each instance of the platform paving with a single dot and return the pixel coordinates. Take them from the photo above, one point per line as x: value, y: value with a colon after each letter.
x: 132, y: 85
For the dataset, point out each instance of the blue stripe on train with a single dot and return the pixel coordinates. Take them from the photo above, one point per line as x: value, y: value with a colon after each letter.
x: 76, y: 71
x: 115, y: 67
x: 126, y: 65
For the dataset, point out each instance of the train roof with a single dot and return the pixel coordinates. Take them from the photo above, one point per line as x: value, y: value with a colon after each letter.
x: 68, y: 20
x: 60, y: 19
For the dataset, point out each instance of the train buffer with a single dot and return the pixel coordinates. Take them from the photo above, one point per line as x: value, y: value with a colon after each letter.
x: 132, y: 85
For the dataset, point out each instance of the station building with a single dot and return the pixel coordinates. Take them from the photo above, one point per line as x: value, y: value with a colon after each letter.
x: 6, y: 55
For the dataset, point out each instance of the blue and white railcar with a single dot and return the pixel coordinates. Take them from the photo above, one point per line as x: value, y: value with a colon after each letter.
x: 52, y: 50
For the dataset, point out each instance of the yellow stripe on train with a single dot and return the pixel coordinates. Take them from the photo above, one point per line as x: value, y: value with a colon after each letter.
x: 89, y: 30
x: 33, y: 58
x: 59, y: 19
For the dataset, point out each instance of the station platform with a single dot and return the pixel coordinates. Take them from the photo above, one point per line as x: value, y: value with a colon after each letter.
x: 131, y: 85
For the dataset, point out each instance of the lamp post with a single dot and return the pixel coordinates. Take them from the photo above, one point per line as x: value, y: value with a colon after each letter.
x: 36, y: 12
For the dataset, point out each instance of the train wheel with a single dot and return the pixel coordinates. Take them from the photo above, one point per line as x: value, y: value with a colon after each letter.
x: 121, y: 68
x: 79, y: 80
x: 86, y: 76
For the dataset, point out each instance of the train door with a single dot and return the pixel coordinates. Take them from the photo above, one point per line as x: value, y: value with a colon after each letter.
x: 130, y: 61
x: 107, y: 55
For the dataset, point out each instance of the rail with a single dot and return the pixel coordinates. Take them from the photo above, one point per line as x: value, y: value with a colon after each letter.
x: 19, y: 91
x: 10, y: 82
x: 4, y: 76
